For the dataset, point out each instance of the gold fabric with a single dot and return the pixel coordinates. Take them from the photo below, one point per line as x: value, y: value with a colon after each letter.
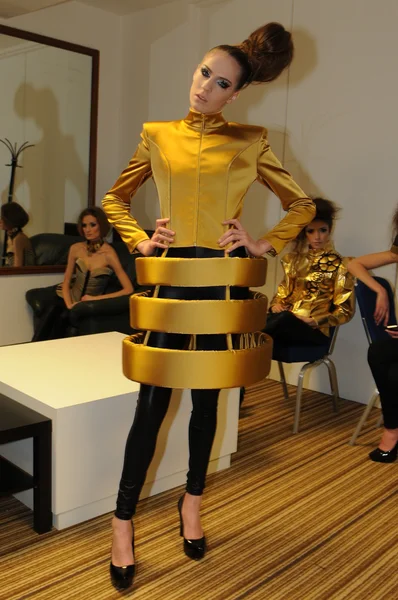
x: 198, y: 316
x: 201, y: 272
x: 202, y: 167
x: 182, y: 369
x: 394, y: 247
x: 317, y: 284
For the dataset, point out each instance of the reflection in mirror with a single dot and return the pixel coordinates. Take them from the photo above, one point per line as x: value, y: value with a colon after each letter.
x: 47, y: 102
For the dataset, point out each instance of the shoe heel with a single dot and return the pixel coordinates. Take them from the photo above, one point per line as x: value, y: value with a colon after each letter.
x: 123, y: 577
x: 194, y: 549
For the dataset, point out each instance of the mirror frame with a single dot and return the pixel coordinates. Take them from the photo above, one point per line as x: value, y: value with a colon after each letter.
x: 49, y: 41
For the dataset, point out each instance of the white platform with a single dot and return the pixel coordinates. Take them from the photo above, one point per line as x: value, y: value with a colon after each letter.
x: 78, y: 383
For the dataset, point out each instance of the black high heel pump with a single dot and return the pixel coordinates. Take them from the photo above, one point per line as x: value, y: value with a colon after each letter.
x: 384, y: 456
x: 122, y: 577
x: 194, y: 549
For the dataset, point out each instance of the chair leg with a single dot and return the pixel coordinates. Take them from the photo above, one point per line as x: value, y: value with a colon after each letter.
x: 364, y: 417
x: 299, y: 394
x: 334, y: 386
x: 283, y: 380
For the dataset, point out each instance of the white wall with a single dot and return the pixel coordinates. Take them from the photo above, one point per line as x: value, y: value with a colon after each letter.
x: 80, y: 24
x: 47, y: 102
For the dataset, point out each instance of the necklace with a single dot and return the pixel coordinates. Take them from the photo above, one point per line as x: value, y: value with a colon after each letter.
x: 93, y: 246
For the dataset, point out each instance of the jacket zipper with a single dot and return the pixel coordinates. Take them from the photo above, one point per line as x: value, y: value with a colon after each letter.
x: 198, y: 182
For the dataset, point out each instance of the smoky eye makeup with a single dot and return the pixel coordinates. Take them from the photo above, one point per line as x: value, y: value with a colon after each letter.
x: 223, y: 83
x: 92, y: 225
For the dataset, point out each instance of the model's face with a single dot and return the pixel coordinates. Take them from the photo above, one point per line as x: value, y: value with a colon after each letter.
x: 90, y: 227
x: 214, y: 83
x: 317, y: 234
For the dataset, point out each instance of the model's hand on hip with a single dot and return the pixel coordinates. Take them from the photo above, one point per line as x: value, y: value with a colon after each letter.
x: 160, y: 239
x: 238, y: 236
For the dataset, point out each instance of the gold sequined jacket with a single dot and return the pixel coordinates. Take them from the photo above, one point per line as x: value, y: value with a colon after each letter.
x: 317, y: 285
x: 202, y: 167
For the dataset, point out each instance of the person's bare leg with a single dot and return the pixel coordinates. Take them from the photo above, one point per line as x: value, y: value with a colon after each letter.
x: 389, y: 439
x: 122, y: 547
x: 191, y: 517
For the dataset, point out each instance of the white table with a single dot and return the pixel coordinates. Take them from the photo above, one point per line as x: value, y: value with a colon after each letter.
x: 79, y: 384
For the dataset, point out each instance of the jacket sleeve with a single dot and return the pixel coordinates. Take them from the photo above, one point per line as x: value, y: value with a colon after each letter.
x: 300, y: 208
x: 116, y: 202
x: 286, y: 286
x: 343, y: 307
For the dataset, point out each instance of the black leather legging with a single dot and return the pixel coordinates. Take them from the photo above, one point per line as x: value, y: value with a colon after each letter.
x: 383, y: 361
x: 153, y: 402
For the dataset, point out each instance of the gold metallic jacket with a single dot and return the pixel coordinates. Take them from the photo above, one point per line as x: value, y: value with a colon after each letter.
x: 317, y: 285
x: 202, y: 167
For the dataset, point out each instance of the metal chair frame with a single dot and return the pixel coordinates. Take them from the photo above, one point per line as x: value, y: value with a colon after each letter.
x: 325, y: 360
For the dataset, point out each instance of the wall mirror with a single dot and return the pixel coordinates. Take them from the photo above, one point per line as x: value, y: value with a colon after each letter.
x: 48, y: 129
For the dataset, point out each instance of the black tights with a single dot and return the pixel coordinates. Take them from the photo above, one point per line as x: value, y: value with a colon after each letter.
x: 153, y: 403
x: 383, y: 361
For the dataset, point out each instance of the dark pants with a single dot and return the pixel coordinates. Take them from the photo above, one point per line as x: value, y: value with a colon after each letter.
x: 53, y: 323
x: 153, y: 401
x: 287, y: 329
x: 383, y: 361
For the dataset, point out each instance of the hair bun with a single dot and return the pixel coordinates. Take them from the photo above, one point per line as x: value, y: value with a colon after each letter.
x: 269, y: 51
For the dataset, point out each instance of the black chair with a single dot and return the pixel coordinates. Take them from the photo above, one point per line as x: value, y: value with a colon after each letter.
x: 312, y: 356
x: 366, y: 299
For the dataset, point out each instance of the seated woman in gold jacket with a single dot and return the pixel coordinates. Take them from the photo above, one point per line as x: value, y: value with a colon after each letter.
x: 317, y: 291
x: 202, y: 166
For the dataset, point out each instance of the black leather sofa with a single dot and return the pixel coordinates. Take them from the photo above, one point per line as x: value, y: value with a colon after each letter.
x: 97, y: 316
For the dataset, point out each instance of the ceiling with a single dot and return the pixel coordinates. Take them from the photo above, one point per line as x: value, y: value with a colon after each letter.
x: 14, y: 8
x: 124, y: 7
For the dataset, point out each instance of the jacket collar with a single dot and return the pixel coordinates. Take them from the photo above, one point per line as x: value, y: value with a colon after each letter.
x: 200, y: 121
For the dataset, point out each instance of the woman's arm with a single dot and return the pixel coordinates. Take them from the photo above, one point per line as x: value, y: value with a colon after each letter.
x: 116, y: 203
x: 127, y: 286
x: 300, y: 208
x: 359, y: 268
x: 70, y: 268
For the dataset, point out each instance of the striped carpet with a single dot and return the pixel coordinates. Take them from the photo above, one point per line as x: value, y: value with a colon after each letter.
x: 303, y: 517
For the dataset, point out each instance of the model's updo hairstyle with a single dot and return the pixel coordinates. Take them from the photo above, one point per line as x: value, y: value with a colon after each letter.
x: 263, y: 56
